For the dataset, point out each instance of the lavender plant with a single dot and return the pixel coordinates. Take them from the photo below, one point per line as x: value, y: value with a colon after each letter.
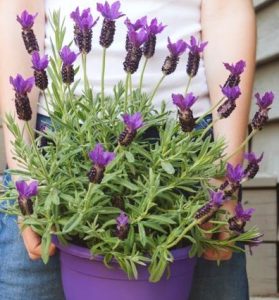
x: 132, y: 198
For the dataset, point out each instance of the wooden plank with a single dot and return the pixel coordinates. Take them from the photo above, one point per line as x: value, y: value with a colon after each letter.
x: 262, y: 270
x: 267, y: 141
x: 265, y: 216
x: 260, y: 181
x: 266, y: 79
x: 261, y: 3
x: 268, y: 32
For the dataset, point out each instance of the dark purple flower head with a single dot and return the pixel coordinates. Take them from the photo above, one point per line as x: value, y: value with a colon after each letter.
x: 133, y: 122
x: 251, y: 157
x: 254, y: 242
x: 265, y: 101
x: 235, y: 174
x: 137, y: 38
x: 100, y: 157
x: 236, y: 69
x: 178, y: 48
x: 26, y: 20
x: 232, y: 93
x: 216, y: 198
x: 20, y: 85
x: 122, y: 220
x: 68, y: 57
x: 110, y: 12
x: 184, y: 103
x: 83, y: 20
x: 26, y: 191
x: 140, y: 23
x: 195, y: 46
x: 154, y: 27
x: 242, y: 214
x: 39, y: 63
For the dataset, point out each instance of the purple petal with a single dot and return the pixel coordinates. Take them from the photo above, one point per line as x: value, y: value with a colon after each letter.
x: 27, y: 191
x: 195, y: 46
x: 140, y: 23
x: 154, y: 27
x: 251, y: 157
x: 39, y: 64
x: 110, y: 12
x: 177, y: 48
x: 182, y: 102
x: 232, y: 93
x: 68, y: 57
x: 235, y: 174
x: 133, y: 122
x: 216, y: 198
x: 22, y: 86
x: 265, y: 101
x: 236, y: 69
x: 122, y: 220
x: 137, y: 38
x: 26, y: 20
x: 100, y: 157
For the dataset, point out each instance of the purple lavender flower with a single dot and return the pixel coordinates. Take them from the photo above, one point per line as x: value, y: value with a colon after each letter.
x: 186, y: 118
x: 152, y: 30
x: 242, y: 216
x: 134, y: 54
x: 133, y: 123
x: 235, y: 71
x: 178, y: 48
x: 68, y: 57
x: 207, y: 211
x: 20, y: 85
x: 122, y: 222
x: 171, y: 61
x: 261, y: 116
x: 235, y: 174
x: 26, y: 192
x: 140, y: 23
x: 231, y: 93
x: 39, y: 66
x: 84, y: 23
x: 22, y: 103
x: 101, y: 159
x: 26, y: 21
x: 253, y: 164
x: 196, y: 48
x: 110, y: 14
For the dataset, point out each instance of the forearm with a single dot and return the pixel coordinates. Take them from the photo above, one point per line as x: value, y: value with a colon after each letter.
x: 230, y: 28
x: 15, y: 59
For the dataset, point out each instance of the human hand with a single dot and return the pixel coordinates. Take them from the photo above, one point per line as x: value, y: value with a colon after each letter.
x: 32, y: 242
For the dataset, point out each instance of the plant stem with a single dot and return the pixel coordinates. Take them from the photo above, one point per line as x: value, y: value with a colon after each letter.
x: 254, y: 131
x: 188, y: 85
x: 46, y: 101
x: 181, y: 236
x: 86, y: 198
x: 103, y: 81
x: 142, y: 74
x: 126, y: 92
x: 84, y: 68
x: 71, y: 98
x: 210, y: 110
x: 35, y: 148
x: 156, y: 88
x: 209, y: 126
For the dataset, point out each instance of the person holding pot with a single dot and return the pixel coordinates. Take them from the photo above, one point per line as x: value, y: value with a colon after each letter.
x: 226, y: 25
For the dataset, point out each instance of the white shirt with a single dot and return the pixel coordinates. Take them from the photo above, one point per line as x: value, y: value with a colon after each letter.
x: 182, y: 18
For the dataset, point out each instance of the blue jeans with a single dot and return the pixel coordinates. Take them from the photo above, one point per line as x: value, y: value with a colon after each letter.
x: 20, y: 277
x: 225, y: 282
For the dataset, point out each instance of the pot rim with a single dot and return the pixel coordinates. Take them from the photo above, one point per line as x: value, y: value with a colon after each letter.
x: 82, y: 252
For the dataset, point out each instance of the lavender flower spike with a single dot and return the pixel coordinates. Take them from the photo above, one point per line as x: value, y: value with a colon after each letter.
x: 110, y: 14
x: 171, y: 61
x: 236, y: 70
x: 235, y: 174
x: 231, y: 93
x: 84, y: 23
x: 101, y: 159
x: 39, y: 66
x: 26, y: 21
x: 122, y: 226
x: 186, y: 118
x: 134, y: 54
x: 133, y: 123
x: 140, y: 23
x: 196, y: 49
x: 26, y: 192
x: 207, y: 211
x: 253, y: 164
x: 68, y: 57
x: 22, y: 103
x: 242, y: 216
x: 261, y: 116
x: 153, y: 29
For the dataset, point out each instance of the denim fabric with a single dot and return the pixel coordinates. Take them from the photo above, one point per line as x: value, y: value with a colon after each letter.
x: 20, y: 277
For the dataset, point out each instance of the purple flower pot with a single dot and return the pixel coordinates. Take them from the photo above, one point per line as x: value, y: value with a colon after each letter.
x: 88, y: 279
